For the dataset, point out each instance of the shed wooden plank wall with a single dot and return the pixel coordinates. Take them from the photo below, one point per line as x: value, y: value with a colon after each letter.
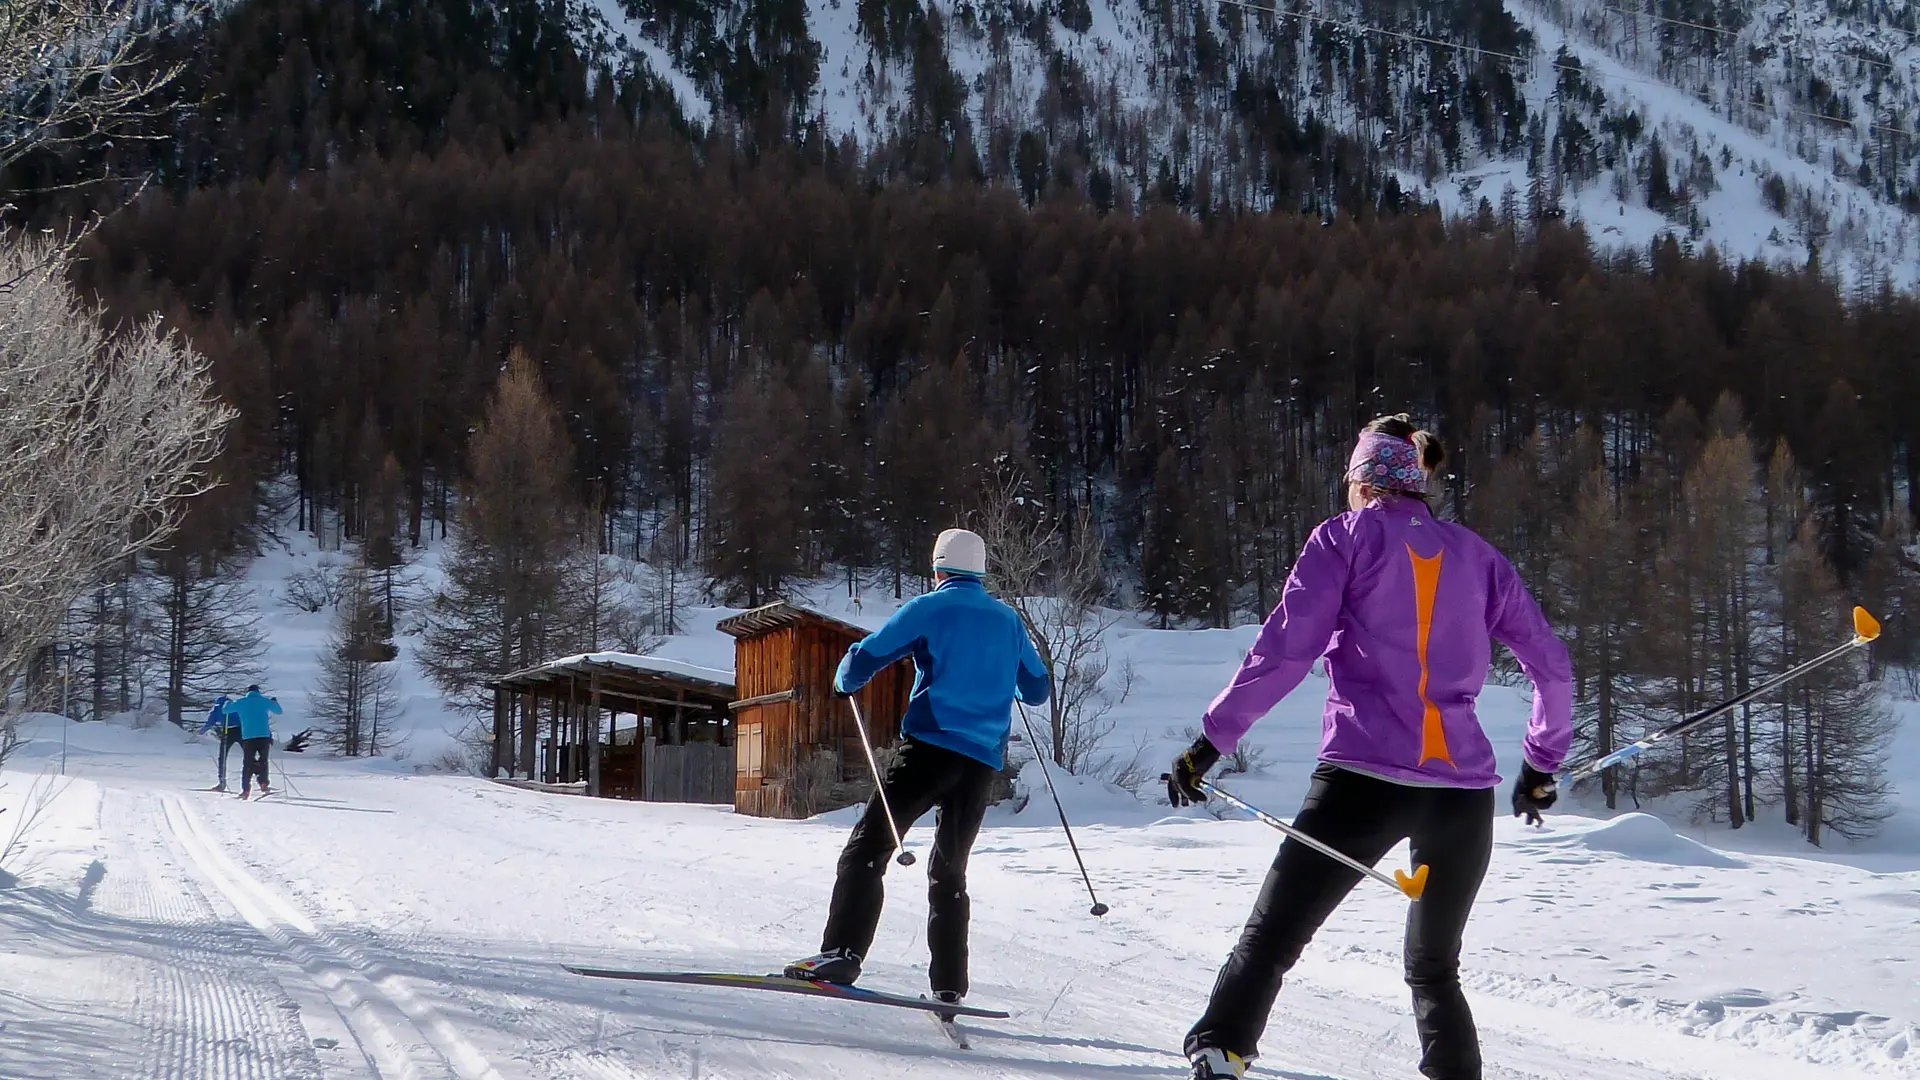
x: 764, y: 665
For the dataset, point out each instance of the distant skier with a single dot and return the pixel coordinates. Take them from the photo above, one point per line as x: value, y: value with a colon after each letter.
x: 971, y: 656
x: 229, y: 727
x: 1402, y: 606
x: 256, y: 737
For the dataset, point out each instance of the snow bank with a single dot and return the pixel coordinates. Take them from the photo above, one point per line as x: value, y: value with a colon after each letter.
x: 1086, y: 801
x: 1642, y: 837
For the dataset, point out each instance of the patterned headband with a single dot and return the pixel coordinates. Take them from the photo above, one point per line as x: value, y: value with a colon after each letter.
x: 1387, y: 462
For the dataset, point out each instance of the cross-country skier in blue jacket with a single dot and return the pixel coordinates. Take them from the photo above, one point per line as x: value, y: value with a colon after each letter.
x: 971, y: 656
x: 254, y: 711
x: 229, y: 727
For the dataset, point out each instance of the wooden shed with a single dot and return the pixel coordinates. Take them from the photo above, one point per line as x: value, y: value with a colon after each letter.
x: 785, y: 657
x: 619, y: 725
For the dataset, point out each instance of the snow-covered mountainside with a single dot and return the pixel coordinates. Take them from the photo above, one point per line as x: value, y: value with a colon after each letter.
x: 1778, y: 130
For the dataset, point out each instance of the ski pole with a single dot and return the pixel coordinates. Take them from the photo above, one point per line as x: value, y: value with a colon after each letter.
x: 1865, y: 629
x: 278, y: 764
x: 1098, y: 908
x: 880, y: 785
x: 1411, y: 884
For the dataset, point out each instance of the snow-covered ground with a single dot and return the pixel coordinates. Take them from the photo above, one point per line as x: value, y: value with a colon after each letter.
x: 376, y: 921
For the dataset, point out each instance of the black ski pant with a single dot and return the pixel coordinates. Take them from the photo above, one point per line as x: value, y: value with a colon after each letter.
x: 229, y: 738
x: 1451, y: 830
x: 924, y: 777
x: 254, y: 763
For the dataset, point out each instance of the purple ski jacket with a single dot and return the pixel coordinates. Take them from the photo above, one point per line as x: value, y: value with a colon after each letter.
x: 1402, y: 606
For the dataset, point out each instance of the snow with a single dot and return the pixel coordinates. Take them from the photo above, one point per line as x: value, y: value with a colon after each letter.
x: 373, y: 920
x: 608, y: 29
x: 657, y: 665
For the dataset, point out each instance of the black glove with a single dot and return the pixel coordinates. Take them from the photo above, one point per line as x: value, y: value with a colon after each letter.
x: 1533, y: 792
x: 1183, y: 783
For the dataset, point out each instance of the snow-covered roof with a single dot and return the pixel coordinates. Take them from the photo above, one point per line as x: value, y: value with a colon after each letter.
x: 656, y: 666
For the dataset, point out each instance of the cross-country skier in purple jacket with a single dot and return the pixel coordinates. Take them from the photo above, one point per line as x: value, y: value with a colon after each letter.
x: 1403, y: 607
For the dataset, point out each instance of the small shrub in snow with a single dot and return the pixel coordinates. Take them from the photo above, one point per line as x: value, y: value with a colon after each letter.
x: 315, y: 588
x: 456, y: 760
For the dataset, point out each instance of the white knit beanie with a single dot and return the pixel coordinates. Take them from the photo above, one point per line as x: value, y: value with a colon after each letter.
x: 960, y: 552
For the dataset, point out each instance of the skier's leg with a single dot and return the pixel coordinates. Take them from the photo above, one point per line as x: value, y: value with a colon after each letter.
x: 914, y: 783
x: 1358, y: 816
x: 1455, y: 839
x: 253, y: 762
x: 957, y: 824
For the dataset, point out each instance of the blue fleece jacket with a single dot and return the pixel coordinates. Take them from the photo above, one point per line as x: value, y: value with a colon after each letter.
x: 253, y: 709
x: 971, y: 655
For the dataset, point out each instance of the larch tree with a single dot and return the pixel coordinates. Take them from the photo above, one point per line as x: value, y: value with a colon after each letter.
x: 1600, y: 573
x: 200, y: 623
x: 357, y: 700
x: 1714, y: 571
x: 754, y: 516
x: 509, y: 594
x: 1843, y: 724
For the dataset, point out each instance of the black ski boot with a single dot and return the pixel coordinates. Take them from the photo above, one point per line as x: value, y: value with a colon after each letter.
x: 947, y: 997
x: 840, y: 966
x: 1218, y: 1065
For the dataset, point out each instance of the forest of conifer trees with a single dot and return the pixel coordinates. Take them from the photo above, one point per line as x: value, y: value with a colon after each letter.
x: 777, y: 359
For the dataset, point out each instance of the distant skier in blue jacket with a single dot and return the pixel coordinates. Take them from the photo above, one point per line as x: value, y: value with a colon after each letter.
x: 254, y: 711
x: 229, y: 728
x: 971, y: 656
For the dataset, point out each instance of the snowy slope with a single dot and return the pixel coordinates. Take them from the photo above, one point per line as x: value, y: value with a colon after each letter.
x: 376, y: 922
x: 398, y: 926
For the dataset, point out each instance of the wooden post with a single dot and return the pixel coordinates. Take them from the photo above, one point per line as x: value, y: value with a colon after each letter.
x: 647, y: 740
x: 593, y: 735
x: 529, y: 730
x: 502, y: 744
x: 572, y: 773
x: 552, y: 771
x: 680, y: 717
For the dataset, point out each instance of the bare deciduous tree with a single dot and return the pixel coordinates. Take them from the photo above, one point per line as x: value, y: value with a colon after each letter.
x: 103, y: 438
x: 1051, y: 572
x: 75, y: 70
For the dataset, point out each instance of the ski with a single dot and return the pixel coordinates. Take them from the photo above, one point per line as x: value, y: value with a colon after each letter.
x: 783, y: 985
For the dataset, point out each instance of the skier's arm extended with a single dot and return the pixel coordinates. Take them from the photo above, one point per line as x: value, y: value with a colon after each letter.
x: 1031, y: 682
x: 866, y: 657
x: 1293, y: 637
x: 1516, y: 622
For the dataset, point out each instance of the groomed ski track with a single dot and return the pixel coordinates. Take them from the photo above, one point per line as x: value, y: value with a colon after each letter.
x: 410, y: 928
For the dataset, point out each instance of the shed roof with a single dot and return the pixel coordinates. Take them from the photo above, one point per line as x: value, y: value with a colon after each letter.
x: 782, y: 613
x: 656, y: 671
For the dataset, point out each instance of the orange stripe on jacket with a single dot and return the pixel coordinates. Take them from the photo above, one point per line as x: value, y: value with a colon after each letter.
x: 1426, y: 588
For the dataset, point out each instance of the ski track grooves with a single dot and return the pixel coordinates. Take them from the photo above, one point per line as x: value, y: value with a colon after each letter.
x: 407, y: 1038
